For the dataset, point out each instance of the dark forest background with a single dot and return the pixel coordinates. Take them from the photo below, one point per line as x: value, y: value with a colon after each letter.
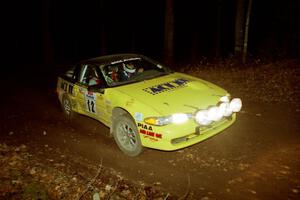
x: 55, y: 31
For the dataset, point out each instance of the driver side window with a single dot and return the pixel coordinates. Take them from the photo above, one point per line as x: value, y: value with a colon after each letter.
x: 89, y: 76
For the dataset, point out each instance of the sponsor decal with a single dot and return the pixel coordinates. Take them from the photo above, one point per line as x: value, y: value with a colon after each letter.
x: 150, y: 133
x: 147, y: 131
x: 144, y: 126
x: 138, y: 116
x: 67, y: 87
x: 168, y: 86
x: 90, y: 99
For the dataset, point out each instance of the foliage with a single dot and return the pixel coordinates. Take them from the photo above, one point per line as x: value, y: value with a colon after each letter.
x: 276, y: 82
x: 26, y: 176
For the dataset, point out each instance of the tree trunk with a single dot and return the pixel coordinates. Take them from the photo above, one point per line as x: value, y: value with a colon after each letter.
x: 246, y: 32
x: 133, y: 43
x: 218, y: 32
x: 239, y: 29
x: 47, y: 39
x: 169, y: 32
x: 102, y: 32
x: 194, y: 46
x: 103, y: 41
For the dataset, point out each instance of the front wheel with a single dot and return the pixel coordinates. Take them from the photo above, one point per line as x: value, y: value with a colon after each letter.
x: 126, y: 136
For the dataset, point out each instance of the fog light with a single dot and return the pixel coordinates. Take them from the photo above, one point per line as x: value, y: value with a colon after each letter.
x: 224, y: 99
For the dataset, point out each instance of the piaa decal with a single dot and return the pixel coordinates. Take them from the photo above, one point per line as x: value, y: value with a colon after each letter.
x: 144, y: 126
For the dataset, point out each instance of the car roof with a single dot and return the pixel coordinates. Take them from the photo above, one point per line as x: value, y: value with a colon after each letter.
x: 111, y: 58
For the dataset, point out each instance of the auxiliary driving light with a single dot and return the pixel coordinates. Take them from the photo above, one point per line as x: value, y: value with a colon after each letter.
x: 235, y: 105
x: 224, y: 99
x: 212, y: 114
x: 228, y: 111
x: 222, y: 109
x: 201, y: 117
x: 216, y: 113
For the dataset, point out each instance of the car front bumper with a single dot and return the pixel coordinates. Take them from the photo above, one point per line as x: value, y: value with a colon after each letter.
x: 180, y: 136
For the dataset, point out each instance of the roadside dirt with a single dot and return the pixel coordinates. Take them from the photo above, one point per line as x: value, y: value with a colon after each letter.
x: 256, y: 158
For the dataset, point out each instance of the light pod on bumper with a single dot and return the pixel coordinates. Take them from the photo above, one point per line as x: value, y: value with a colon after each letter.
x: 222, y: 108
x: 228, y: 111
x: 235, y: 105
x: 213, y: 114
x: 224, y: 99
x: 201, y: 117
x: 216, y: 113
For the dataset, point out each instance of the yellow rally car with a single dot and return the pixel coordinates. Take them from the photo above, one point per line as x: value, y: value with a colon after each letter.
x: 144, y: 103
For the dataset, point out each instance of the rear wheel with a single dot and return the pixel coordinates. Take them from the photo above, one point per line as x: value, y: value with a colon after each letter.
x: 67, y: 107
x: 126, y: 136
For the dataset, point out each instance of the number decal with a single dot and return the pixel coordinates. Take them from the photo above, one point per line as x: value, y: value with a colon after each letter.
x: 90, y: 102
x: 67, y: 87
x: 91, y: 105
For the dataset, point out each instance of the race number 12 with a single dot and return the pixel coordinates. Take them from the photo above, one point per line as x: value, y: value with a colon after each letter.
x: 91, y: 105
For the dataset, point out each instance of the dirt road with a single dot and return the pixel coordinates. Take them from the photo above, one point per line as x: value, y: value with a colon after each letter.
x: 257, y: 158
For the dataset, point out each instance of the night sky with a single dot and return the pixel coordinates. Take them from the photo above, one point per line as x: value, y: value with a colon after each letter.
x: 73, y: 30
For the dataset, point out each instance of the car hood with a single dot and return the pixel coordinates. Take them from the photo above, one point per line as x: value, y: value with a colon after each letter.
x: 174, y: 93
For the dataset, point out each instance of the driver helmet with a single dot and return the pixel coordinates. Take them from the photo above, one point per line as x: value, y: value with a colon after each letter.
x: 129, y: 68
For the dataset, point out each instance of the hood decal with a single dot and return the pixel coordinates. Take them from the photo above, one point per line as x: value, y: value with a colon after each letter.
x: 167, y: 86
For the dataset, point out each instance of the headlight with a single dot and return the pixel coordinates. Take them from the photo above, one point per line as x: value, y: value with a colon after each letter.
x: 177, y: 118
x: 157, y: 121
x: 235, y: 104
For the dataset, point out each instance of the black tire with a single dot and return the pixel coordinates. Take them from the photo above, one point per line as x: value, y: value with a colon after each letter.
x: 126, y: 136
x: 67, y: 107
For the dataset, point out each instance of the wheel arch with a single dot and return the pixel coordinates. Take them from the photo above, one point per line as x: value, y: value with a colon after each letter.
x: 116, y: 112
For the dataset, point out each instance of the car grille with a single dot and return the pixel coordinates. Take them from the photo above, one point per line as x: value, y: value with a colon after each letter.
x: 199, y: 130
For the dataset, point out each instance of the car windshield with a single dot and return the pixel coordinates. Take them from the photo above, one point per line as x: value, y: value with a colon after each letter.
x: 132, y: 70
